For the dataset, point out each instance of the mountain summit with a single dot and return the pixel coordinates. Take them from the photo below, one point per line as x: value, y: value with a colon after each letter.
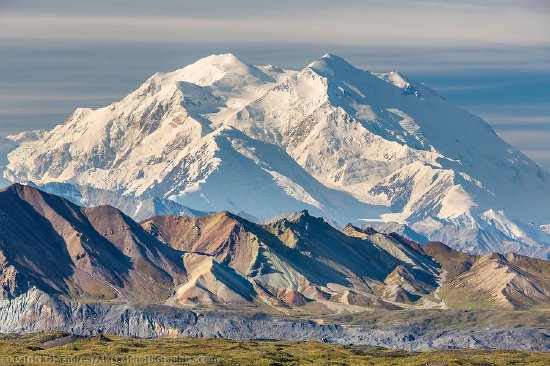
x: 344, y: 143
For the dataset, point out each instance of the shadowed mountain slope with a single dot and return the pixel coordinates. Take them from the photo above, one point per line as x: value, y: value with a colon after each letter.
x: 95, y: 252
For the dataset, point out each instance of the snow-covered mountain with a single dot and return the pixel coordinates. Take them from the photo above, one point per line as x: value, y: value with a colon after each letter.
x: 344, y: 143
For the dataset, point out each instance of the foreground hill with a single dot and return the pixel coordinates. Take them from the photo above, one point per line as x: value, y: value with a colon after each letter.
x: 62, y: 249
x: 299, y: 260
x: 507, y: 281
x: 348, y: 144
x: 100, y: 254
x: 91, y: 270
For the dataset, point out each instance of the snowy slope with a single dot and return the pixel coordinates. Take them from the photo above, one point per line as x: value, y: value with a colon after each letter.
x: 390, y: 141
x: 344, y: 143
x: 10, y: 143
x: 138, y: 209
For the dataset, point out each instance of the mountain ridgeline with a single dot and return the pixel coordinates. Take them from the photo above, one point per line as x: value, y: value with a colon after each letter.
x: 99, y: 254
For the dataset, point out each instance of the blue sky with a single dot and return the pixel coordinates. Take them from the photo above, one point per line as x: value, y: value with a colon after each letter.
x: 491, y: 57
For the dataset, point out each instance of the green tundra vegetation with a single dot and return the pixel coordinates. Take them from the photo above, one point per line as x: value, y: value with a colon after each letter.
x: 63, y: 348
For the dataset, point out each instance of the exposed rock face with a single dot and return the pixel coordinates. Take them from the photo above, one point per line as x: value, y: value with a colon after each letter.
x: 210, y: 282
x: 96, y: 253
x: 403, y: 286
x: 35, y: 311
x: 231, y: 239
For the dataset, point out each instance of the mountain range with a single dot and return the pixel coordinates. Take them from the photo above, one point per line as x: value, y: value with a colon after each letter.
x: 373, y: 149
x: 99, y: 254
x: 94, y: 270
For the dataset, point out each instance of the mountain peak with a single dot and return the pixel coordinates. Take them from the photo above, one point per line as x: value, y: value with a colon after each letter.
x: 352, y: 230
x: 330, y: 64
x: 220, y: 59
x: 225, y: 214
x: 300, y: 216
x: 15, y: 187
x: 396, y: 78
x: 329, y: 56
x: 20, y: 189
x: 214, y: 68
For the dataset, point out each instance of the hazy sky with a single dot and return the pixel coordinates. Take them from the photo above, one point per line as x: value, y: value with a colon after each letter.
x: 491, y: 57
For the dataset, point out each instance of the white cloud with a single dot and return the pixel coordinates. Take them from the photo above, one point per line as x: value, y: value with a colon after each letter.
x: 527, y: 138
x: 518, y: 120
x: 354, y: 22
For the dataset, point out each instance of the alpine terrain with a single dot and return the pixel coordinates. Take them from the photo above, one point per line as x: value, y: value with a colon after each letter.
x: 92, y: 270
x: 346, y: 144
